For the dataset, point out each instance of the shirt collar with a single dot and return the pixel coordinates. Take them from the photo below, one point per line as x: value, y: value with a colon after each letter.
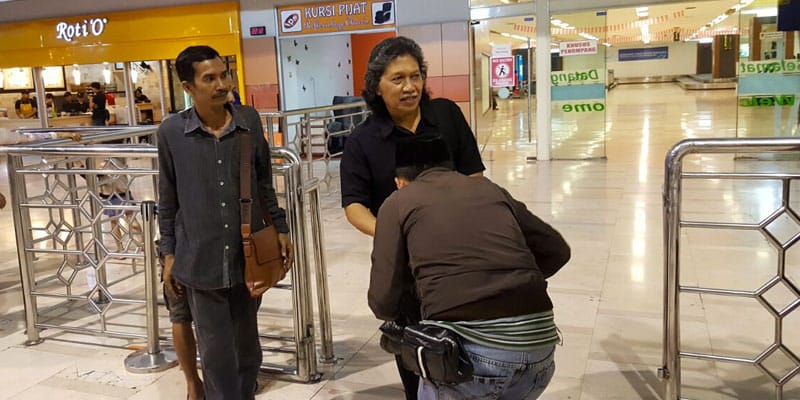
x: 193, y: 122
x: 428, y: 118
x: 435, y: 171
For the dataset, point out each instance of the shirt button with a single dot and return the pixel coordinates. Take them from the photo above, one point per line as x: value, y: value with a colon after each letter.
x: 227, y: 247
x: 221, y: 183
x: 223, y: 204
x: 226, y: 226
x: 219, y: 161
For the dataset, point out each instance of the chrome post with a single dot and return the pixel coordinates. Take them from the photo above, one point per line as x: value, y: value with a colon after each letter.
x: 305, y: 134
x: 298, y: 275
x: 154, y: 358
x: 671, y: 339
x: 301, y: 296
x: 97, y: 233
x: 321, y: 274
x: 18, y: 196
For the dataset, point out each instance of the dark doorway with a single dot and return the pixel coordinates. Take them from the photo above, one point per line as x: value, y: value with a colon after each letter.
x: 705, y: 57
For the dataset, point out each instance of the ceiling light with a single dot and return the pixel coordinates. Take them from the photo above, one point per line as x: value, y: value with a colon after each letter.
x: 76, y: 75
x: 645, y: 29
x: 642, y: 12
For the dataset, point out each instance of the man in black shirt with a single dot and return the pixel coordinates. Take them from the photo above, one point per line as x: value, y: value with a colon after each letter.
x: 199, y: 163
x: 98, y: 105
x: 70, y: 106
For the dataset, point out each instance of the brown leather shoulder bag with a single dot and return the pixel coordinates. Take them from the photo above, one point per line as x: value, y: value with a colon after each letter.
x: 264, y: 265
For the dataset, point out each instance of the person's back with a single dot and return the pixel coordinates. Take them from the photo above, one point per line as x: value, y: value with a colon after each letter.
x: 478, y: 260
x: 478, y: 245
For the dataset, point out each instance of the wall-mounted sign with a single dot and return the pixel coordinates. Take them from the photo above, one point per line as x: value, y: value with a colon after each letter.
x: 502, y: 71
x: 596, y: 106
x: 578, y: 77
x: 769, y: 67
x: 501, y: 50
x: 17, y: 78
x: 578, y: 48
x: 766, y: 101
x: 92, y: 26
x: 771, y: 35
x: 332, y: 17
x: 649, y: 53
x: 258, y: 31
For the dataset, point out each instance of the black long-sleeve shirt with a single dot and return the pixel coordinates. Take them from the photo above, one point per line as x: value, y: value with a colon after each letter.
x: 199, y: 196
x: 472, y: 251
x: 367, y: 168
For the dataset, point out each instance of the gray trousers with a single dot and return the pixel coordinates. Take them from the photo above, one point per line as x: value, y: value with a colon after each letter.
x: 227, y: 338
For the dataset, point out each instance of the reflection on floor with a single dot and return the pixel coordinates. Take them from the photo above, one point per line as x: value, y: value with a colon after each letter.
x: 608, y: 300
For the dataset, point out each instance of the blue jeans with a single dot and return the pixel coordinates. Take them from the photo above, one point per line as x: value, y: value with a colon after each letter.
x: 499, y: 374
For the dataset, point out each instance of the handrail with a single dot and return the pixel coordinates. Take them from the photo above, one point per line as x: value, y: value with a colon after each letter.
x: 79, y: 216
x: 300, y: 134
x: 672, y: 190
x: 311, y: 110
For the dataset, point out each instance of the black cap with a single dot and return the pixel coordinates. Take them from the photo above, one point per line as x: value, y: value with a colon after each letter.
x: 420, y: 150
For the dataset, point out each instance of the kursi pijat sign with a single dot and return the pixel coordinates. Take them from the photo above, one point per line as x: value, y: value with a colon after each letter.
x: 333, y: 17
x: 769, y: 67
x: 766, y: 101
x: 578, y: 77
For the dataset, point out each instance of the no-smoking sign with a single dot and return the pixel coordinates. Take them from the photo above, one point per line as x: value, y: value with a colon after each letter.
x: 502, y: 71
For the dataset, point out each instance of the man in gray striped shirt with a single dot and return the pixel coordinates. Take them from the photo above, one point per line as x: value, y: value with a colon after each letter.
x: 479, y: 261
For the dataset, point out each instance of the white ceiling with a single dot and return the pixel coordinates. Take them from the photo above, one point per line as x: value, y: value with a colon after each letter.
x: 622, y: 26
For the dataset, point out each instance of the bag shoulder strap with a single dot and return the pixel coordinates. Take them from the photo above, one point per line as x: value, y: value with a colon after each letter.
x: 245, y: 189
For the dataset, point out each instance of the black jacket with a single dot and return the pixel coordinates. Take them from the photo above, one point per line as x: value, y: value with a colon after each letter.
x: 472, y: 251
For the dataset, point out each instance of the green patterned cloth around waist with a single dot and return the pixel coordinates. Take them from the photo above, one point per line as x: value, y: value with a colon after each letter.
x: 521, y: 333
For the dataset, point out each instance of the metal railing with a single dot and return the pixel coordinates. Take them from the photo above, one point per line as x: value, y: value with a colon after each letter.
x: 673, y: 224
x: 93, y: 228
x: 309, y: 131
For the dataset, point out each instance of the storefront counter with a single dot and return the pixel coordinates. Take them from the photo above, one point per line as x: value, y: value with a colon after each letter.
x: 16, y: 123
x: 76, y: 120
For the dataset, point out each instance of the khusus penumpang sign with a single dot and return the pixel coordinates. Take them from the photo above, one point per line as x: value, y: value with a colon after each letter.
x: 333, y: 17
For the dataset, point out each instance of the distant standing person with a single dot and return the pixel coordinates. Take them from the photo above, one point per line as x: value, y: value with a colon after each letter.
x: 97, y: 103
x: 26, y: 107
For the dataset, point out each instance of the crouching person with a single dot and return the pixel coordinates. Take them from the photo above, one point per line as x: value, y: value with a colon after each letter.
x: 479, y: 261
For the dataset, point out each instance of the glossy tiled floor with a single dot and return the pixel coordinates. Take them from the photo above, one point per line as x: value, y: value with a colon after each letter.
x: 608, y: 300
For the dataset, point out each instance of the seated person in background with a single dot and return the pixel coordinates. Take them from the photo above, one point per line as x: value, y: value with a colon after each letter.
x: 50, y: 104
x: 26, y: 107
x: 479, y: 261
x: 71, y: 105
x: 83, y: 103
x: 140, y: 97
